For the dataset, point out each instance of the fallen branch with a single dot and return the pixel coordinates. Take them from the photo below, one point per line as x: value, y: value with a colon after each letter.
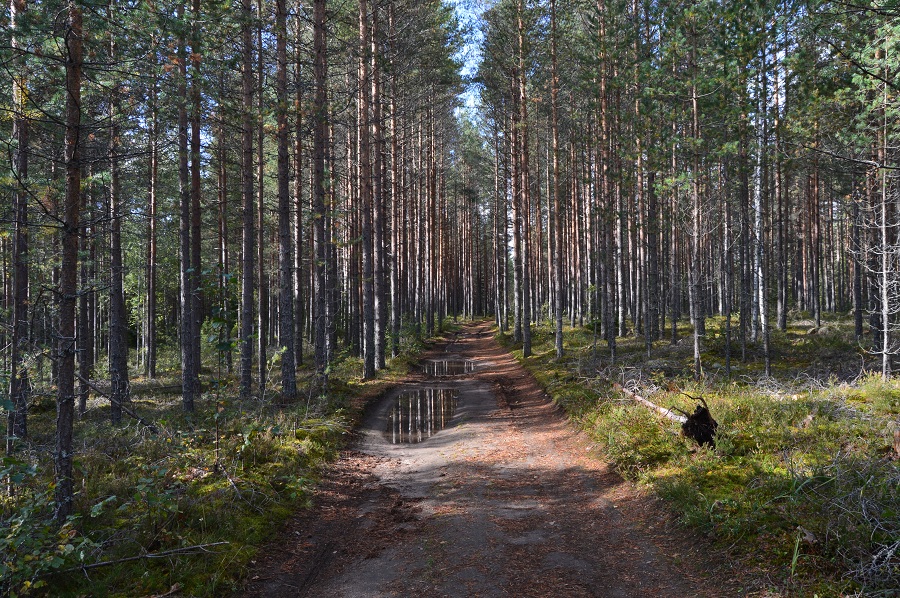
x: 125, y: 409
x: 152, y: 555
x: 649, y: 404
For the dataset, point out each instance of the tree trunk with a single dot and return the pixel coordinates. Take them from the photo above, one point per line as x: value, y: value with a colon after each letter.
x: 153, y: 181
x: 196, y: 268
x: 184, y: 230
x: 366, y: 195
x: 557, y: 212
x: 118, y: 327
x: 285, y: 248
x: 19, y: 382
x: 247, y: 216
x: 378, y: 222
x: 65, y: 397
x: 320, y: 118
x: 262, y: 280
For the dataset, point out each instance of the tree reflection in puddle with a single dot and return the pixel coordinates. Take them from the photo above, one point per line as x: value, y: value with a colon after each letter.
x: 448, y: 367
x: 417, y: 415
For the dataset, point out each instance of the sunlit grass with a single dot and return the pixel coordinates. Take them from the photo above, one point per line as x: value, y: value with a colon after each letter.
x: 801, y: 484
x: 229, y: 473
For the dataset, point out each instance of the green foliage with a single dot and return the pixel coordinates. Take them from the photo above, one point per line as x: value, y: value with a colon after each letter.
x: 230, y: 472
x: 32, y: 544
x: 800, y: 482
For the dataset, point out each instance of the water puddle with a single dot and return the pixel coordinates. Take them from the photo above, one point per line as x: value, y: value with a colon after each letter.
x: 448, y: 367
x: 417, y: 415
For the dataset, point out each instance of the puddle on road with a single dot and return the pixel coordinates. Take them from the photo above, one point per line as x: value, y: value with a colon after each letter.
x: 417, y: 415
x: 448, y: 367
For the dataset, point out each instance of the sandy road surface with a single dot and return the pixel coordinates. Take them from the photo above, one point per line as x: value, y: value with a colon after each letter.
x: 507, y: 500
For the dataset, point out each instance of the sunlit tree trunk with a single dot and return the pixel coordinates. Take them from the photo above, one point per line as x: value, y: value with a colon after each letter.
x: 557, y: 212
x: 19, y: 381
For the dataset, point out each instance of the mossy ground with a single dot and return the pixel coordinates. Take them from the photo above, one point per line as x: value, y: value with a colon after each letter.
x: 229, y: 473
x: 802, y: 485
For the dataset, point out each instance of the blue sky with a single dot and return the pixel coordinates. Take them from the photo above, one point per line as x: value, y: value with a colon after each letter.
x: 469, y: 13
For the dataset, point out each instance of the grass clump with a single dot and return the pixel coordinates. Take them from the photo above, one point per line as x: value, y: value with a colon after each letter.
x: 803, y: 485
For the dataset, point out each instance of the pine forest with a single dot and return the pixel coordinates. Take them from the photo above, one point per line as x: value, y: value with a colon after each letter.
x: 265, y: 262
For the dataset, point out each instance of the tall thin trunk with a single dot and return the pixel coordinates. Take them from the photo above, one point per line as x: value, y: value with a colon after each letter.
x: 184, y: 229
x: 366, y: 195
x: 394, y: 257
x: 320, y: 123
x: 762, y: 187
x: 887, y: 251
x: 285, y: 247
x: 696, y: 308
x: 68, y: 282
x: 557, y: 212
x: 525, y: 187
x: 247, y: 216
x: 299, y: 271
x: 378, y: 221
x: 195, y: 278
x: 118, y: 328
x: 153, y: 181
x: 19, y: 382
x: 262, y: 279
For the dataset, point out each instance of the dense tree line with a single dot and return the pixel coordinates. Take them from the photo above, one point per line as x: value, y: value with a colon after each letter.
x: 691, y: 160
x: 191, y: 180
x: 239, y: 185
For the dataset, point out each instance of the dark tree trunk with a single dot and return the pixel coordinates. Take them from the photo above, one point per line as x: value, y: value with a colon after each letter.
x: 118, y: 327
x: 366, y: 196
x: 247, y: 215
x: 186, y: 279
x: 196, y: 268
x: 320, y: 122
x: 65, y: 397
x: 153, y: 152
x: 285, y: 248
x: 19, y: 384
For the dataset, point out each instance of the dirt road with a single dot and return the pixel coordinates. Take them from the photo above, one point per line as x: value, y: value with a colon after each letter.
x: 506, y: 500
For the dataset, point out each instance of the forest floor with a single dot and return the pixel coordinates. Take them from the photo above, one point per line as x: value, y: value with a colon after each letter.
x: 508, y: 500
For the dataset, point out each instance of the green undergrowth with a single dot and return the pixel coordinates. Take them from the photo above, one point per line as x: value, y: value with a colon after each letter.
x: 803, y: 485
x: 204, y: 492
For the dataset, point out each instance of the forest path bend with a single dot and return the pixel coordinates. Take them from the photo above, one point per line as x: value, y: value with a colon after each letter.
x: 506, y: 501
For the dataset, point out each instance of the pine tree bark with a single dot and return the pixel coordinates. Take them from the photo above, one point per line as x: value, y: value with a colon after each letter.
x: 378, y: 179
x: 247, y: 216
x: 525, y: 187
x: 196, y: 267
x: 320, y: 123
x: 696, y: 308
x: 557, y: 212
x: 184, y: 231
x: 118, y: 328
x: 285, y: 242
x: 19, y: 382
x: 153, y: 180
x: 394, y: 257
x: 262, y: 280
x: 68, y: 284
x: 366, y: 195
